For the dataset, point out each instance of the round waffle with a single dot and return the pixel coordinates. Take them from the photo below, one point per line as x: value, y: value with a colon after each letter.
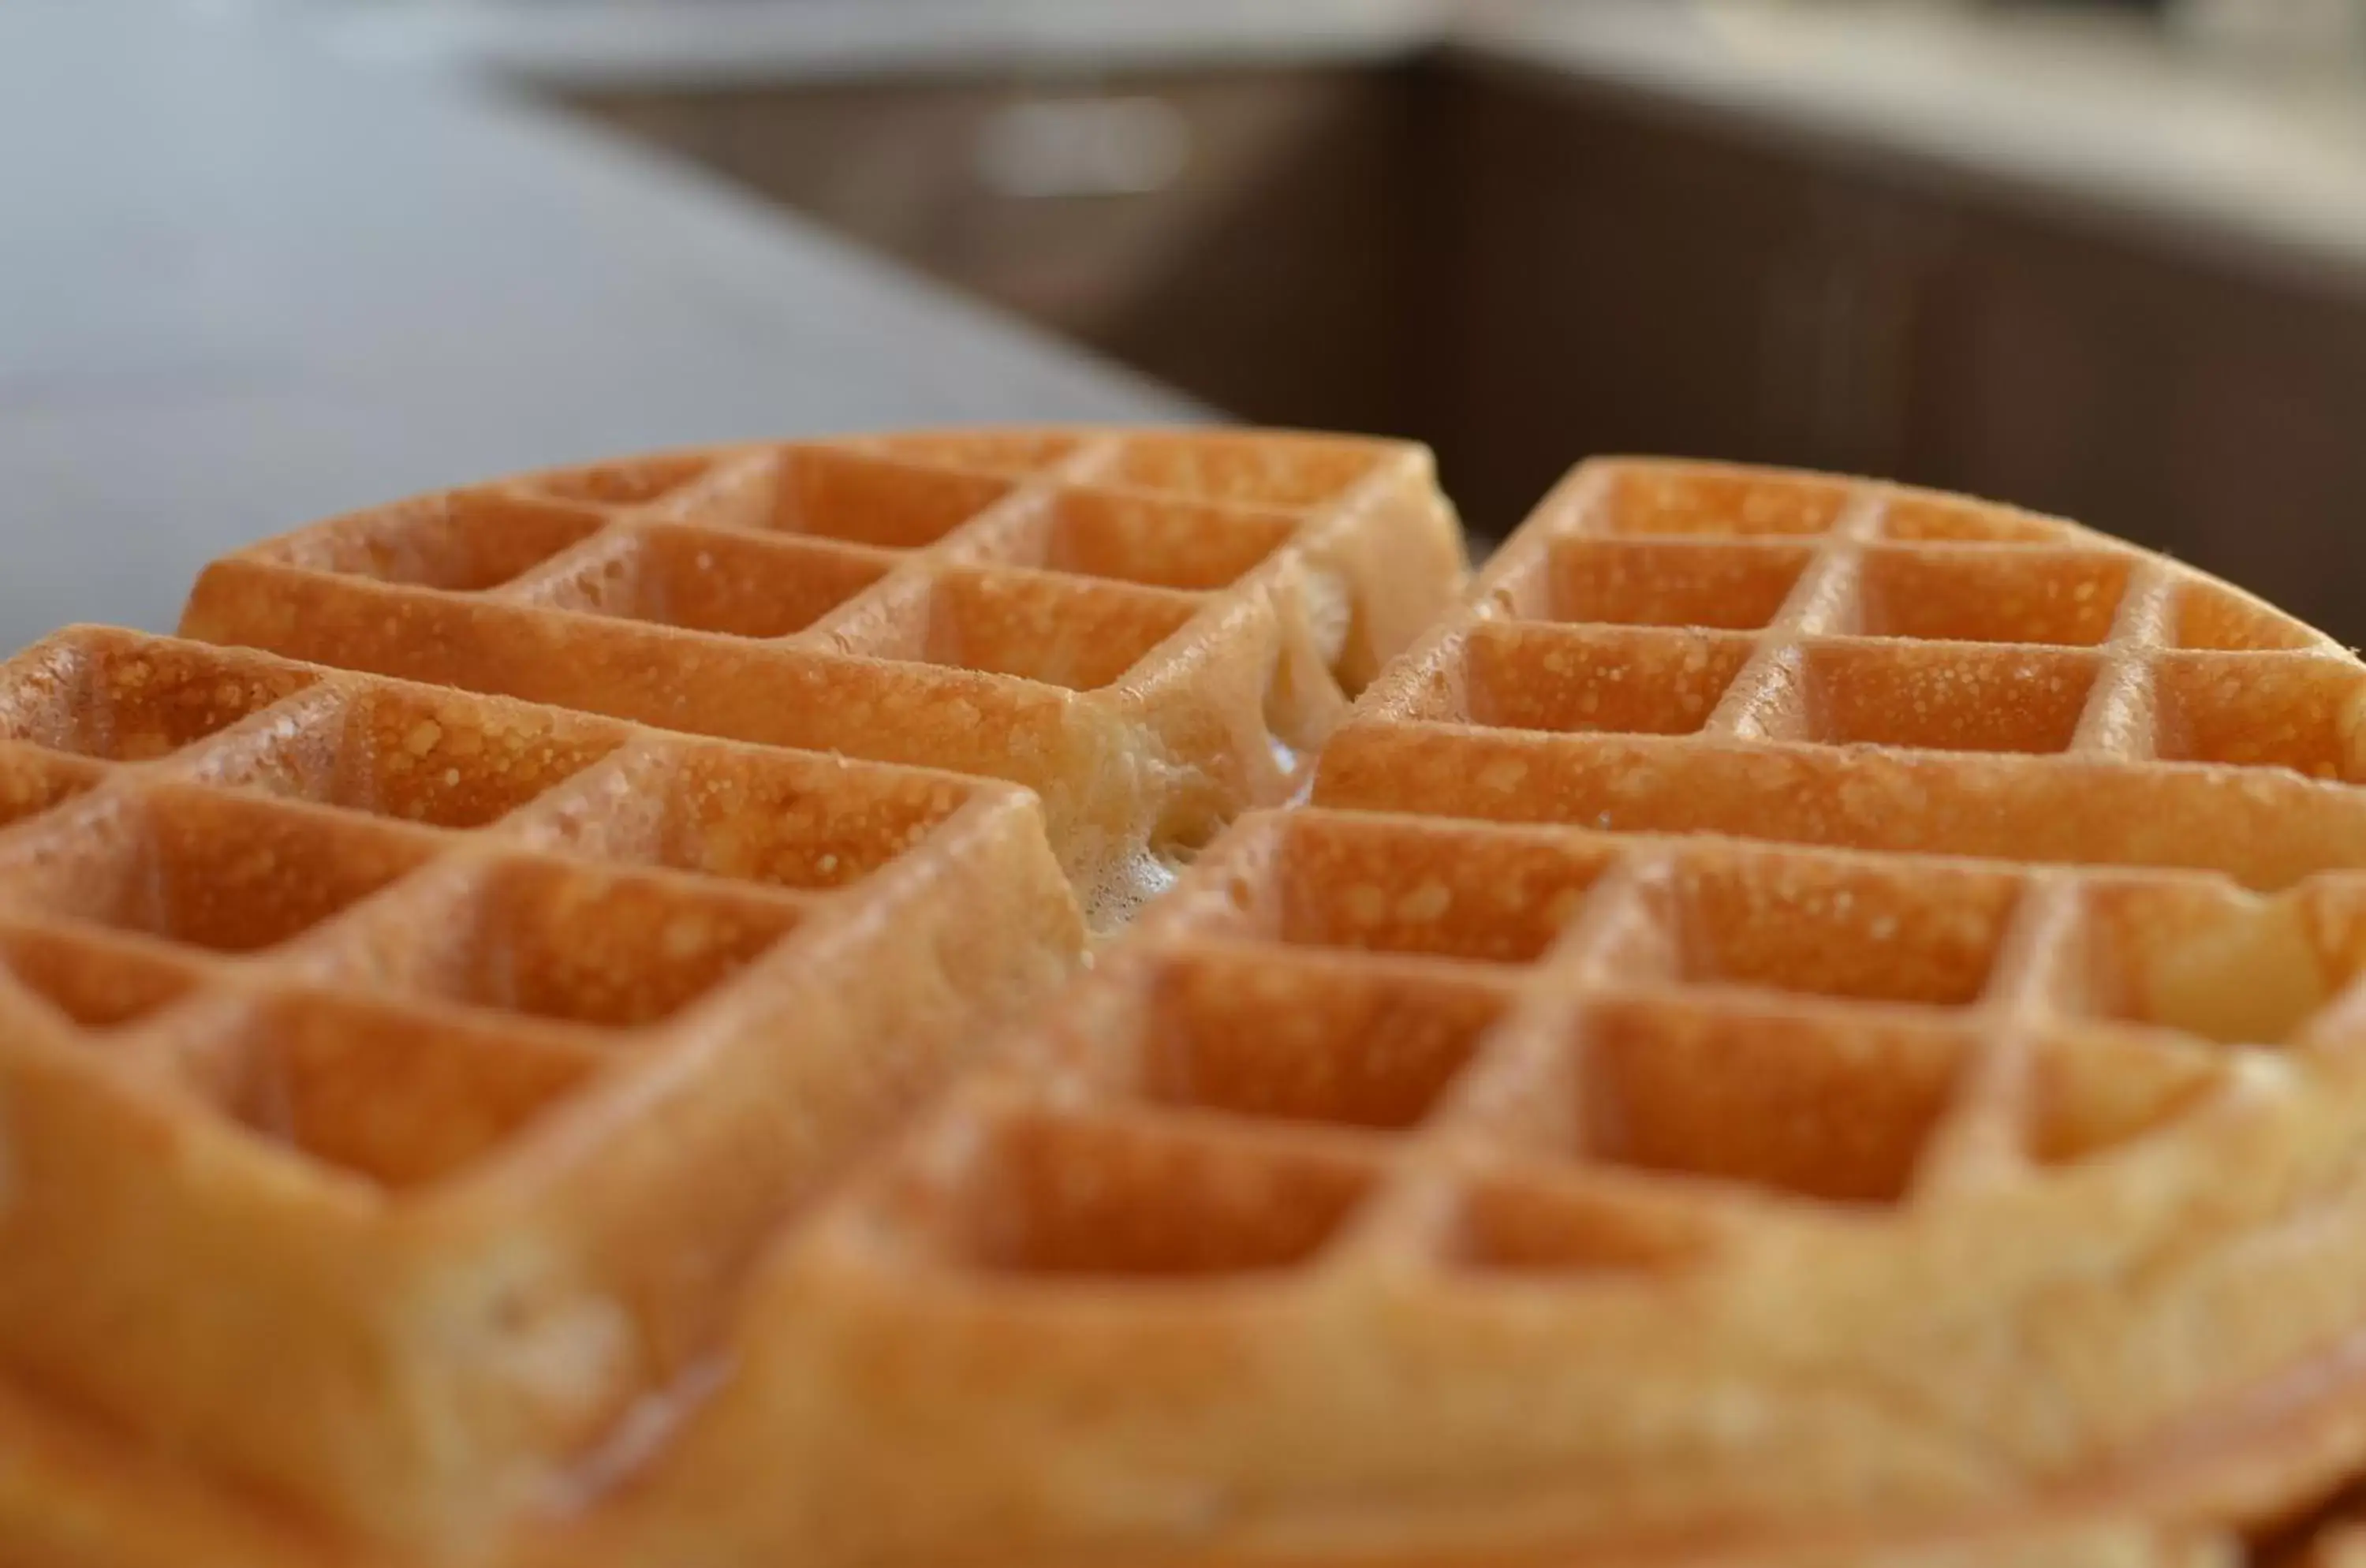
x: 1808, y: 1023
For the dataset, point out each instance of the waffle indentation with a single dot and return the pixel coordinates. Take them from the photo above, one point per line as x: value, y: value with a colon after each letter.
x: 709, y: 580
x: 1536, y: 1227
x: 2209, y: 615
x: 2094, y: 1087
x: 2302, y: 713
x: 1650, y: 499
x: 98, y: 983
x: 1012, y: 452
x: 1969, y: 521
x: 868, y: 501
x: 396, y: 1097
x: 1147, y: 539
x: 466, y: 540
x: 1344, y: 882
x: 2044, y: 596
x: 1052, y: 1195
x: 1249, y: 1036
x: 1799, y: 1103
x: 1077, y: 635
x: 109, y: 699
x: 1945, y: 698
x: 212, y: 871
x: 421, y: 755
x: 786, y: 819
x: 615, y: 950
x: 2213, y: 960
x: 1301, y: 471
x: 1801, y: 923
x: 630, y: 481
x: 1599, y: 679
x: 1669, y: 582
x: 33, y: 780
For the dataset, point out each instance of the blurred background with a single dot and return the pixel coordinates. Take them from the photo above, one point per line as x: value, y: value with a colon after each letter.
x: 2103, y: 259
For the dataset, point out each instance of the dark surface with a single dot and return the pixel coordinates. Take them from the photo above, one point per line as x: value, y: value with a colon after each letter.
x: 241, y: 288
x: 1522, y: 265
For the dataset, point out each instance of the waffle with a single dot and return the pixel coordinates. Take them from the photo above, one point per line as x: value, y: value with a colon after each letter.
x: 1150, y: 631
x: 1811, y: 1023
x: 424, y: 986
x: 1808, y: 1026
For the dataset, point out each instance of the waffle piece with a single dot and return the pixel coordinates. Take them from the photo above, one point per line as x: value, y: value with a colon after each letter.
x: 395, y: 1083
x: 1762, y: 1068
x: 1152, y: 631
x: 1668, y: 648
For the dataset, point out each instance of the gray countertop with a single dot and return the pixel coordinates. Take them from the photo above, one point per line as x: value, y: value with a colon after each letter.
x: 241, y: 288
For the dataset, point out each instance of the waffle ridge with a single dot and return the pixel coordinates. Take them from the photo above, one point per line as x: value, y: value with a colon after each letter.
x: 1807, y: 1022
x: 1463, y: 1167
x: 1152, y: 631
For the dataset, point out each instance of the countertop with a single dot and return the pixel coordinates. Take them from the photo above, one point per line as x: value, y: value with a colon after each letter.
x: 241, y: 287
x: 2105, y: 113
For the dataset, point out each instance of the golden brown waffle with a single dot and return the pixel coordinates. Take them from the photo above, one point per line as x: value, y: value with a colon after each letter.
x: 1152, y: 631
x: 394, y: 1083
x: 1809, y: 1028
x: 1615, y: 1181
x: 396, y: 1080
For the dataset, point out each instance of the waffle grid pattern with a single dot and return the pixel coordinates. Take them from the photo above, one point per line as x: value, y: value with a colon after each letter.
x: 1151, y: 631
x: 1551, y: 1070
x: 465, y: 1001
x: 1720, y: 975
x: 1564, y: 1050
x: 1872, y: 668
x: 1500, y: 987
